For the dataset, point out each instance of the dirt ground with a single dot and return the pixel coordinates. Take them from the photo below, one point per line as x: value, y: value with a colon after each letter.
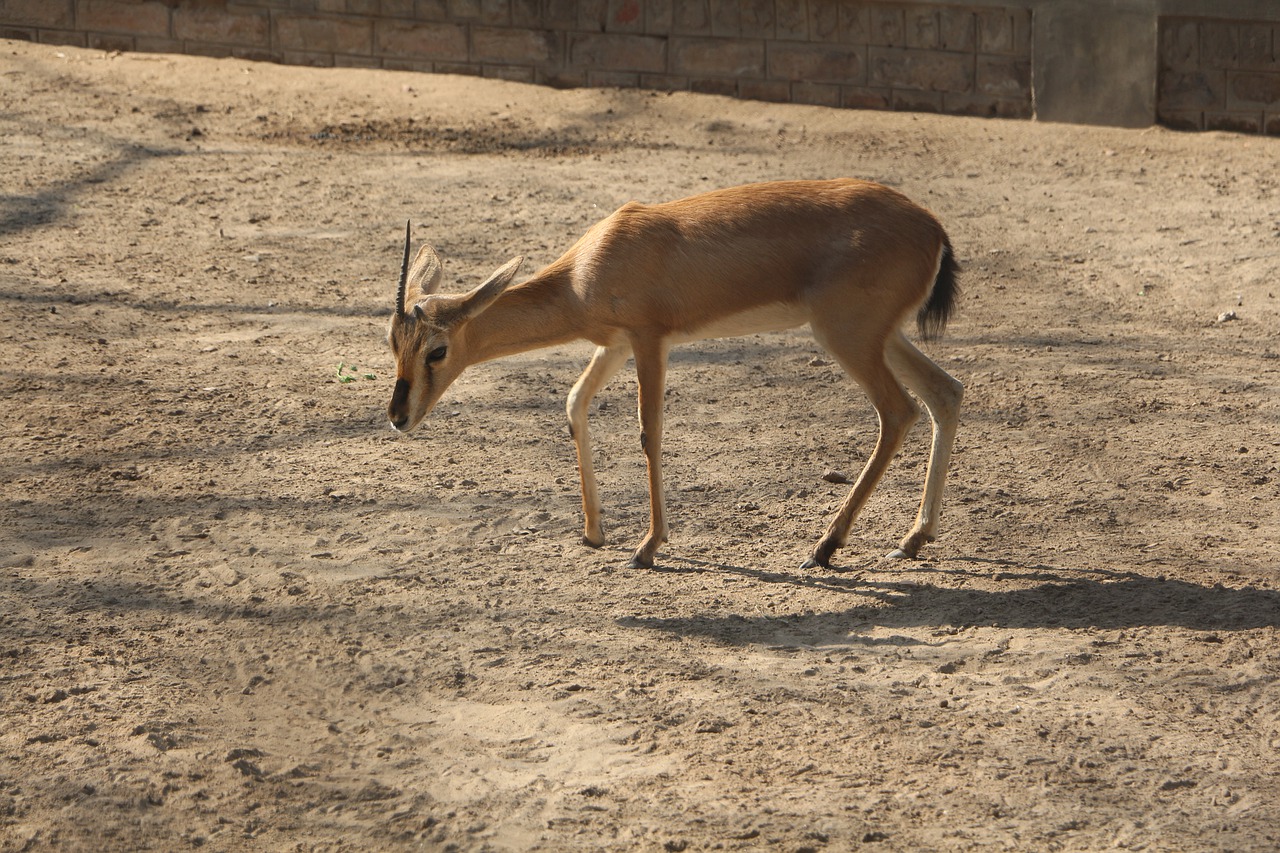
x: 238, y: 612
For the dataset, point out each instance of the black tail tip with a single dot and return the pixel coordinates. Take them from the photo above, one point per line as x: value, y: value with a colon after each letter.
x: 936, y: 311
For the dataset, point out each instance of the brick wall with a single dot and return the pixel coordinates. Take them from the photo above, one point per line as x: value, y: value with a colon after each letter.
x: 1219, y: 75
x: 964, y: 59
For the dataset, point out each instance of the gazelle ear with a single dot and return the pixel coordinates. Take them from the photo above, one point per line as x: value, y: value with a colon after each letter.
x: 480, y: 298
x: 426, y: 272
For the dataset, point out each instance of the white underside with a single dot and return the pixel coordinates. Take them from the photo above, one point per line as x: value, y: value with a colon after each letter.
x: 774, y: 317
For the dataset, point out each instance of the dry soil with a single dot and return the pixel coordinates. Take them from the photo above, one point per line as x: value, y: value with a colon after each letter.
x: 238, y: 612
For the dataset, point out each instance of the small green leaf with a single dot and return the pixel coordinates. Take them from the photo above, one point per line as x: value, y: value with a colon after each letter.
x: 350, y: 373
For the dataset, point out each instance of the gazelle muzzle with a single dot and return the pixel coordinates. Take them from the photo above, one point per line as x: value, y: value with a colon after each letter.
x: 398, y: 410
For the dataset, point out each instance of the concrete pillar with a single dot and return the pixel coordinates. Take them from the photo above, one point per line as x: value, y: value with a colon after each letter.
x: 1094, y: 62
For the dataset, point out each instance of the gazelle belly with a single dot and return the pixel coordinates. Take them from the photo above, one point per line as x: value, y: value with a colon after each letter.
x: 773, y: 317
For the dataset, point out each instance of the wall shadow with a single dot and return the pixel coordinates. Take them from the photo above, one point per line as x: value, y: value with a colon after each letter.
x: 119, y: 300
x: 47, y: 205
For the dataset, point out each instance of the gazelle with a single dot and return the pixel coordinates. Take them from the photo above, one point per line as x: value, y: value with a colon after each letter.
x: 852, y: 259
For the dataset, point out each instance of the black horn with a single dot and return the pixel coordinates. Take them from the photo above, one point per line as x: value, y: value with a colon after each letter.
x: 404, y: 269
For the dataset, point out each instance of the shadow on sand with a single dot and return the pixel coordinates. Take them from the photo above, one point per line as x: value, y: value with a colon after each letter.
x: 1055, y: 598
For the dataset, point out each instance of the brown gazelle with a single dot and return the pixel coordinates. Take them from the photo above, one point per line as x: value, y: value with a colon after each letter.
x: 852, y: 259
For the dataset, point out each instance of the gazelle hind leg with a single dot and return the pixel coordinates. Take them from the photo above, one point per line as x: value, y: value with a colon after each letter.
x: 604, y: 365
x: 864, y: 360
x: 941, y: 395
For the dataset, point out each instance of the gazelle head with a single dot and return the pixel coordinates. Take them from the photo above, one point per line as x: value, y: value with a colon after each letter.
x: 429, y: 340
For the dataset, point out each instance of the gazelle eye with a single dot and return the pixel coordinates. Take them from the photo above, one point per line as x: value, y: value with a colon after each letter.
x: 437, y: 354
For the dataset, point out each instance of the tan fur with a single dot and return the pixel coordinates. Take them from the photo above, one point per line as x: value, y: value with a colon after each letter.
x: 852, y: 259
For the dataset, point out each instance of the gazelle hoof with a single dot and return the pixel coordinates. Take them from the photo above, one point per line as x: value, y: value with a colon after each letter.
x: 639, y: 561
x: 821, y: 556
x: 909, y: 548
x: 593, y: 543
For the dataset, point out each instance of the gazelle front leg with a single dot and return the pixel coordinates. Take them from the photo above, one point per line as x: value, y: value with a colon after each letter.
x: 604, y: 365
x: 651, y: 372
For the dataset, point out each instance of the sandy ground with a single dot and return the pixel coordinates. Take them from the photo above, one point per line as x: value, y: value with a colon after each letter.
x: 238, y: 612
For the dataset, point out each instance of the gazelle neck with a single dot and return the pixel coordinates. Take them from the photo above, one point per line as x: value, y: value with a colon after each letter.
x: 540, y: 312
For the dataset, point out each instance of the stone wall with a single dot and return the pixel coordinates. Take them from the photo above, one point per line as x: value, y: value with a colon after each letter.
x: 966, y: 59
x: 1220, y: 75
x: 1193, y: 64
